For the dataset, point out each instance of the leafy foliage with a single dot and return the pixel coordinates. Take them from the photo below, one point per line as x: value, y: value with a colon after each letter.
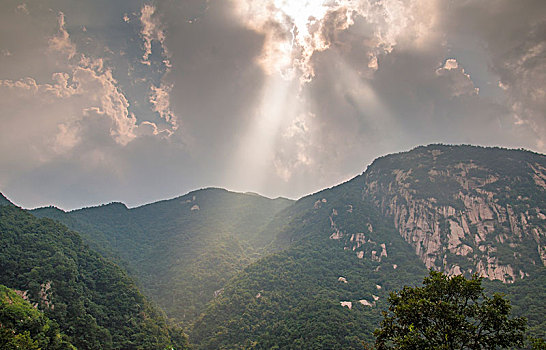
x: 91, y: 299
x: 448, y: 313
x: 527, y: 297
x: 24, y: 327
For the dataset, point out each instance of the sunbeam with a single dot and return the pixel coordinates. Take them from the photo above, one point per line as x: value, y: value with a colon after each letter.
x: 253, y: 162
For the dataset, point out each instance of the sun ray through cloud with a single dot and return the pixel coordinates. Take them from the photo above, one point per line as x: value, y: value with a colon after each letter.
x: 256, y: 152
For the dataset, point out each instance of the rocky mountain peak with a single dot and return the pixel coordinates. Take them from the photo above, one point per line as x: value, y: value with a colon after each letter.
x: 466, y: 209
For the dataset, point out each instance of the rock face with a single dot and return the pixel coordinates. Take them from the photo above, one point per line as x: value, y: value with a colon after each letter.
x: 465, y: 209
x: 358, y: 242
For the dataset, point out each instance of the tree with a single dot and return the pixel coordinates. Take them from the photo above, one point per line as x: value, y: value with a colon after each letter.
x: 448, y: 313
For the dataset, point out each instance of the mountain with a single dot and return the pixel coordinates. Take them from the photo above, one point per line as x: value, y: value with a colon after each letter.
x: 94, y: 303
x: 459, y: 209
x: 244, y: 271
x: 183, y: 250
x: 466, y: 209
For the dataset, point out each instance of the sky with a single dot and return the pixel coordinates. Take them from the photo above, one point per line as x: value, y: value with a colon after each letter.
x: 138, y: 101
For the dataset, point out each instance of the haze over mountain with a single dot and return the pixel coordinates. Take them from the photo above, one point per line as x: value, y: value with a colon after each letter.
x: 458, y: 209
x: 181, y: 250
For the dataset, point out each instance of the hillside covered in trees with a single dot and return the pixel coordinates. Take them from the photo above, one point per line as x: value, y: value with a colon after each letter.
x: 180, y: 250
x: 93, y: 302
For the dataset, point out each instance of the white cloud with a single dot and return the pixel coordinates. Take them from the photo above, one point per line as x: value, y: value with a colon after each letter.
x: 386, y: 75
x: 293, y: 152
x: 61, y: 42
x: 160, y: 99
x: 450, y: 64
x: 67, y: 138
x: 59, y: 88
x: 106, y: 98
x: 372, y: 63
x: 513, y: 39
x: 294, y: 30
x: 147, y: 129
x: 86, y: 89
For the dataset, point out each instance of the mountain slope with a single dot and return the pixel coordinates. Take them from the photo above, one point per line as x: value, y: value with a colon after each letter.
x: 339, y: 252
x: 379, y: 230
x: 181, y: 250
x: 94, y: 302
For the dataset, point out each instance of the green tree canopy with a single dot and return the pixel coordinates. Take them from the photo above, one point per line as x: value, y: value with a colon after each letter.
x: 24, y: 327
x: 448, y: 313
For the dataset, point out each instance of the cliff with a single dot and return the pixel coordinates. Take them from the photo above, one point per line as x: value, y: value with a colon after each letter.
x: 466, y: 209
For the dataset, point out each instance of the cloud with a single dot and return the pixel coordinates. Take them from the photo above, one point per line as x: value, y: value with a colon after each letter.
x: 22, y: 8
x: 67, y: 138
x: 295, y: 31
x: 151, y: 30
x: 97, y: 87
x: 514, y: 40
x: 59, y: 88
x: 459, y: 81
x: 61, y: 42
x: 294, y: 148
x: 107, y: 99
x: 273, y: 96
x: 160, y: 99
x: 86, y: 89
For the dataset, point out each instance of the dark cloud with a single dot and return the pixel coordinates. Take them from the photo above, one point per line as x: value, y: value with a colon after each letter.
x: 230, y: 95
x: 216, y: 81
x: 514, y: 37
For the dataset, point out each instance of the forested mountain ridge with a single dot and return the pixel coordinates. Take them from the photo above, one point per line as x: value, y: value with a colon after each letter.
x: 91, y: 299
x: 181, y: 250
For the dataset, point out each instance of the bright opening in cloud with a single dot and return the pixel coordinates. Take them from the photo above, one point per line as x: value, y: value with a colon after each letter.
x: 293, y: 31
